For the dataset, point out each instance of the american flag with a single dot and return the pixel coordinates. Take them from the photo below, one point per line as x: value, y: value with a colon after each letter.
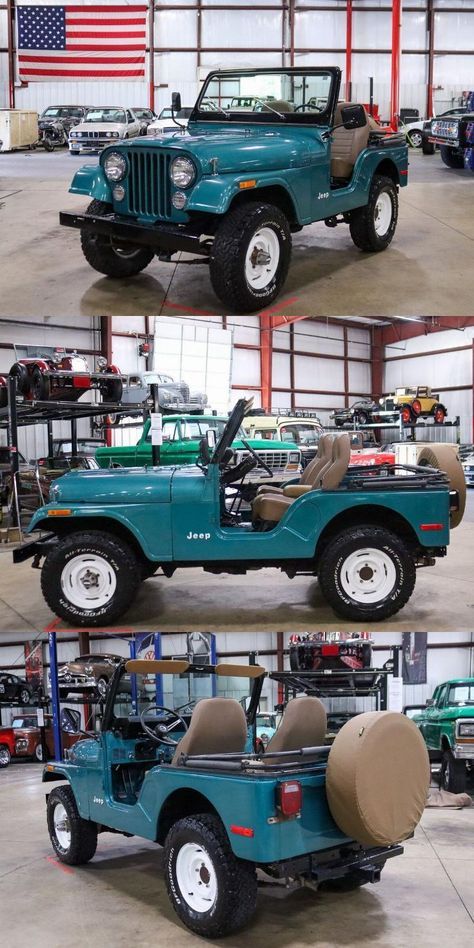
x: 81, y: 42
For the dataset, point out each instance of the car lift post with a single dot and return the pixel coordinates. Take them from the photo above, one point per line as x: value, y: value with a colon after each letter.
x: 158, y: 678
x: 53, y: 658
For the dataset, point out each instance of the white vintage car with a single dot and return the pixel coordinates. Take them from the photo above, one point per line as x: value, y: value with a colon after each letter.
x: 102, y: 126
x: 164, y: 124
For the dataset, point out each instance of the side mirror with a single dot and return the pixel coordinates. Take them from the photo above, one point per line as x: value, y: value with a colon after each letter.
x: 429, y: 702
x: 353, y: 116
x: 211, y: 438
x: 70, y: 721
x: 204, y: 451
x: 176, y: 101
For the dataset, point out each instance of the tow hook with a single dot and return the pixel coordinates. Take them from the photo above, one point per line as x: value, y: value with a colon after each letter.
x: 335, y: 220
x: 36, y: 562
x: 425, y: 561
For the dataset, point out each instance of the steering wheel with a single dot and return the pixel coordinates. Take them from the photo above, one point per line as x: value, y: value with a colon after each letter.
x: 160, y: 731
x: 233, y: 474
x: 258, y: 458
x: 312, y: 108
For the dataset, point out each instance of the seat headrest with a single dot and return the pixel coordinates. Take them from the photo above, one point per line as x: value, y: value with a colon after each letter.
x: 218, y: 725
x: 303, y: 724
x: 334, y: 474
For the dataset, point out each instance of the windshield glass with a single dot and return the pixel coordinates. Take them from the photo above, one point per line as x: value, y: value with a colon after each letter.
x: 180, y: 693
x: 461, y: 694
x: 296, y: 96
x: 301, y: 434
x: 24, y: 722
x: 105, y: 115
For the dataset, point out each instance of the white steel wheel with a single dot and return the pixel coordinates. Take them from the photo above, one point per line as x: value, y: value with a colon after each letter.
x: 61, y: 825
x: 368, y: 575
x: 88, y: 581
x: 262, y: 258
x: 383, y: 212
x: 196, y: 877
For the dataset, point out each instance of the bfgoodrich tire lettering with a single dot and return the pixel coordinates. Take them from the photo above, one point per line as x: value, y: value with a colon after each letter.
x: 82, y: 842
x: 115, y: 552
x: 363, y: 221
x: 236, y: 882
x: 393, y: 551
x: 101, y: 253
x: 228, y: 256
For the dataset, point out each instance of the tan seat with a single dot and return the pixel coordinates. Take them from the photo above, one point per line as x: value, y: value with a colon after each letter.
x: 272, y: 507
x: 280, y: 105
x: 218, y: 726
x: 310, y: 474
x: 303, y: 724
x: 347, y: 144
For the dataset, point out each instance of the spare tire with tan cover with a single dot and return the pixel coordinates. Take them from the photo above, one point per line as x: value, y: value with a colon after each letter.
x: 445, y: 458
x: 377, y: 778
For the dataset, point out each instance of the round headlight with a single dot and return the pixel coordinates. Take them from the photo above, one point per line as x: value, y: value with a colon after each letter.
x: 182, y: 172
x: 115, y: 166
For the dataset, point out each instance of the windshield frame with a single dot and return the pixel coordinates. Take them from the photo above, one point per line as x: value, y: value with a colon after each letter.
x: 325, y: 118
x: 229, y: 434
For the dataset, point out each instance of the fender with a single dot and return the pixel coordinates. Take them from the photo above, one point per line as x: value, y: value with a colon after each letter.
x: 91, y: 181
x: 214, y: 194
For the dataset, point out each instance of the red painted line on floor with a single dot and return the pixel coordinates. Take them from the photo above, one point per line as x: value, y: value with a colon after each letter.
x: 60, y: 865
x: 282, y: 305
x: 189, y: 309
x: 52, y: 625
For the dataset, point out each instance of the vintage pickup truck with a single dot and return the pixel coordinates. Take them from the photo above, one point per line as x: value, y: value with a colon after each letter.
x: 361, y: 531
x: 188, y: 779
x: 447, y: 725
x: 242, y: 180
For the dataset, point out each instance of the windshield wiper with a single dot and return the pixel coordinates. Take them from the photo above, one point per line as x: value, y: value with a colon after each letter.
x: 271, y: 109
x: 217, y: 108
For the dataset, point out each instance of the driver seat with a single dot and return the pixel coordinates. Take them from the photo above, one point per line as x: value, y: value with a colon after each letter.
x: 311, y: 474
x: 304, y: 724
x: 218, y: 726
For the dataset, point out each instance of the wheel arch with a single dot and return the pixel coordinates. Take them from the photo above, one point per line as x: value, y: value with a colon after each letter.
x: 367, y: 515
x: 53, y: 776
x: 445, y: 743
x: 388, y: 168
x: 269, y: 194
x: 103, y: 524
x: 180, y: 803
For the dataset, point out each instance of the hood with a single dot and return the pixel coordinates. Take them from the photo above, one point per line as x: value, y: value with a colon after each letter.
x: 265, y: 444
x: 243, y: 150
x: 452, y: 713
x: 99, y: 127
x: 138, y: 485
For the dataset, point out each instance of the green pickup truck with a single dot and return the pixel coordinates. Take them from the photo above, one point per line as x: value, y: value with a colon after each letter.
x: 182, y: 436
x: 187, y: 777
x: 363, y: 532
x: 242, y: 180
x: 447, y: 725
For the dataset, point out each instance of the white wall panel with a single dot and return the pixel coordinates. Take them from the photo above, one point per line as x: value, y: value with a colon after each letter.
x: 246, y: 329
x: 281, y: 338
x: 125, y: 355
x: 241, y: 29
x: 359, y: 377
x: 312, y: 336
x: 245, y: 367
x: 324, y: 374
x: 281, y: 370
x: 359, y: 343
x: 320, y: 29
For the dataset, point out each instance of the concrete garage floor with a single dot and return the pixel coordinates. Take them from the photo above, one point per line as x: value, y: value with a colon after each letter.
x: 264, y: 600
x: 425, y: 897
x: 425, y: 272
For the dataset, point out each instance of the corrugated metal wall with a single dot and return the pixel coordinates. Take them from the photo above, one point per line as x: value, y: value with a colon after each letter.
x: 180, y: 70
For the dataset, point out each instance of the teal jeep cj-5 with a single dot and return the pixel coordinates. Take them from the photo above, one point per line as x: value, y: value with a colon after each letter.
x: 184, y: 775
x: 242, y: 180
x: 361, y: 531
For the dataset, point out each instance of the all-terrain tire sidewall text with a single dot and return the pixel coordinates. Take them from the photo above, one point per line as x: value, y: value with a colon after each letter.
x: 118, y: 555
x: 101, y: 256
x: 362, y: 221
x: 83, y: 842
x: 236, y: 895
x: 229, y: 249
x: 331, y: 566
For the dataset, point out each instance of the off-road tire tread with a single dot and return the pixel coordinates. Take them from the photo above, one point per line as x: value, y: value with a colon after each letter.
x: 450, y: 158
x: 238, y: 893
x: 371, y: 536
x: 101, y: 256
x: 226, y: 269
x: 126, y: 588
x: 459, y: 774
x: 361, y: 224
x: 83, y: 832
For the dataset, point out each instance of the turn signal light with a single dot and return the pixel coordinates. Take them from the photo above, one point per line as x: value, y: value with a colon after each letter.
x: 242, y: 830
x: 289, y: 797
x: 60, y: 512
x: 252, y: 183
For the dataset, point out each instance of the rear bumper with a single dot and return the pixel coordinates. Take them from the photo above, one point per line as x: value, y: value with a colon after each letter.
x: 164, y: 238
x: 315, y: 868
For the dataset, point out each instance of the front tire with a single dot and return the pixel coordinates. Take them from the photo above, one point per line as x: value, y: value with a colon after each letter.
x: 415, y: 138
x: 211, y: 891
x: 428, y: 148
x: 90, y: 578
x: 74, y: 840
x: 453, y: 773
x: 366, y: 574
x: 108, y: 256
x: 450, y: 157
x: 250, y: 256
x: 372, y: 227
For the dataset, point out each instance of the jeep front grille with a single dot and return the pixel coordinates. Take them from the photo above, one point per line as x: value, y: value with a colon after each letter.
x: 149, y: 185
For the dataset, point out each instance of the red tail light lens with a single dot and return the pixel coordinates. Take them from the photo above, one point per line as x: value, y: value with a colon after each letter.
x: 330, y: 649
x: 289, y: 797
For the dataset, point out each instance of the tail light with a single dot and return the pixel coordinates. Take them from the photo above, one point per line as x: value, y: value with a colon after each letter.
x: 289, y: 797
x: 330, y: 649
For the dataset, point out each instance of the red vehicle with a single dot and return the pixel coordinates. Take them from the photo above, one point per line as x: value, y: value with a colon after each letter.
x: 312, y: 652
x: 63, y: 377
x: 23, y: 739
